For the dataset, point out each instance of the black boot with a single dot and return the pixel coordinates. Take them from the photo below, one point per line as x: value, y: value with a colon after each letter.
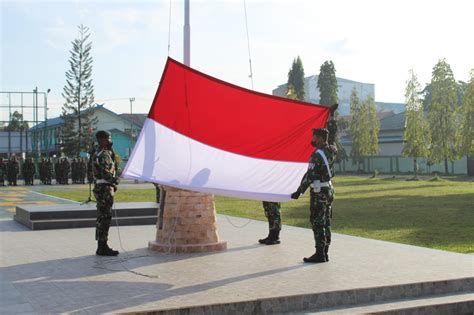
x: 264, y: 240
x: 317, y: 257
x: 273, y: 238
x: 326, y: 250
x: 104, y: 250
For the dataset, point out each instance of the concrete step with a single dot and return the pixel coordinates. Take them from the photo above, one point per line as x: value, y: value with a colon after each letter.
x: 89, y: 222
x: 62, y: 216
x: 451, y: 295
x: 462, y: 303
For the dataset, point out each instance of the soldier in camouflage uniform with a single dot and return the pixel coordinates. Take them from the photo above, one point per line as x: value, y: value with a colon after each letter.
x: 57, y: 171
x: 272, y: 212
x: 319, y: 174
x: 74, y: 171
x: 81, y: 171
x: 12, y: 171
x: 3, y: 172
x: 29, y: 171
x: 65, y: 169
x: 106, y: 181
x: 42, y: 167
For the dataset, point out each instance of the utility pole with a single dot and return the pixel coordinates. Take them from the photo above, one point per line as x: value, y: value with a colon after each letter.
x: 45, y: 130
x: 132, y: 99
x: 187, y: 35
x: 38, y: 149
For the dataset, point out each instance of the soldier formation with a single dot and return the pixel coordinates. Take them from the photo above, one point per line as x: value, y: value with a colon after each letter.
x: 61, y: 169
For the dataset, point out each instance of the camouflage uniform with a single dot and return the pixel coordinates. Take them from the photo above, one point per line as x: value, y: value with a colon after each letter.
x: 42, y: 167
x: 74, y: 171
x: 272, y: 212
x: 106, y: 181
x: 12, y: 171
x: 57, y: 171
x: 320, y: 202
x: 318, y: 176
x: 48, y: 172
x: 90, y: 171
x: 3, y: 171
x: 28, y: 170
x: 82, y: 171
x: 65, y: 169
x: 104, y: 189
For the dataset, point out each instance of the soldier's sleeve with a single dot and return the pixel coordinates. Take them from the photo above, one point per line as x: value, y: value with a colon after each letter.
x: 107, y: 167
x: 308, y: 176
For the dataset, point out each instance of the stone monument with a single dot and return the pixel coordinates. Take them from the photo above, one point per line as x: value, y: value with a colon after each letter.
x: 186, y: 223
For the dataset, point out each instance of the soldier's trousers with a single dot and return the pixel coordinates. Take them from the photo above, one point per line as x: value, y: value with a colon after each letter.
x: 320, y: 215
x: 272, y: 212
x: 104, y: 194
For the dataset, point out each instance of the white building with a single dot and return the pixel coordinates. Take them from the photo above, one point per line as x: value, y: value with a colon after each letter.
x: 345, y: 87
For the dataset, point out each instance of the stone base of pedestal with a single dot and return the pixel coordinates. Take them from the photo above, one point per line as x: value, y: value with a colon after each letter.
x: 187, y: 248
x: 187, y: 223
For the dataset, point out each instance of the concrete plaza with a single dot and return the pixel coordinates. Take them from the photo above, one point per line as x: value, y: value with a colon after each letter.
x: 56, y: 271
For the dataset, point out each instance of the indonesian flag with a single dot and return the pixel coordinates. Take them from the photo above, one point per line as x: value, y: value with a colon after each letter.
x: 207, y: 135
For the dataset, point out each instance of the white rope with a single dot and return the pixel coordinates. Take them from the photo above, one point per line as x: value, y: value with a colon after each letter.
x: 248, y: 44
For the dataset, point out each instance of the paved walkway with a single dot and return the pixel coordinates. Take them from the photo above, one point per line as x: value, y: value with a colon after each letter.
x: 55, y: 271
x: 11, y: 196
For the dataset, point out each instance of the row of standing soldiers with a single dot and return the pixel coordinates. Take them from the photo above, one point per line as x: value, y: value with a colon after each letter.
x: 61, y: 168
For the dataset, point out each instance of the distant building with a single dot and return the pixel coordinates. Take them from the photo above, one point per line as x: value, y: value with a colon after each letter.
x: 345, y: 87
x: 392, y: 127
x: 46, y: 136
x: 14, y: 142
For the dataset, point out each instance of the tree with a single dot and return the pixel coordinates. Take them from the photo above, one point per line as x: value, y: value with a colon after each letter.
x: 363, y: 128
x: 416, y: 135
x: 465, y: 134
x: 441, y: 113
x: 79, y: 96
x: 295, y: 86
x: 355, y: 128
x: 16, y: 123
x: 426, y: 97
x: 327, y: 84
x: 328, y: 88
x: 371, y: 132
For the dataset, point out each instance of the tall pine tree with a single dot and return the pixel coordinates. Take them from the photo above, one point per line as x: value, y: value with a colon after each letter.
x: 465, y: 134
x: 441, y: 114
x: 355, y: 129
x: 371, y: 130
x: 328, y: 88
x: 416, y: 136
x: 295, y: 86
x: 327, y: 84
x: 79, y: 97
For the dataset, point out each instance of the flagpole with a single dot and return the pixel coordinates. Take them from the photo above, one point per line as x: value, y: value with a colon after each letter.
x: 187, y: 35
x: 187, y: 217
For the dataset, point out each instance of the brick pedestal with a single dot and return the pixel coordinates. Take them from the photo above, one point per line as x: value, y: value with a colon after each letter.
x: 189, y: 224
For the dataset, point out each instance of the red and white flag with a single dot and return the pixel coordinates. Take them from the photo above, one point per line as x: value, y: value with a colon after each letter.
x: 206, y: 135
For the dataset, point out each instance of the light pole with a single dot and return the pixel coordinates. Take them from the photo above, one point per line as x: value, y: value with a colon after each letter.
x: 46, y: 138
x: 37, y: 138
x: 132, y: 99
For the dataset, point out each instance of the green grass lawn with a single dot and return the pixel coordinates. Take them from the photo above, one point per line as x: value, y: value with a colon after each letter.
x: 436, y: 214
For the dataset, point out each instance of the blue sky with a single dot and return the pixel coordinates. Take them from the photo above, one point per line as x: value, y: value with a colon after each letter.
x: 369, y: 41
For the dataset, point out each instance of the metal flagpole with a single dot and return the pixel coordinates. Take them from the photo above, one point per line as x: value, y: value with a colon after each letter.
x: 187, y: 35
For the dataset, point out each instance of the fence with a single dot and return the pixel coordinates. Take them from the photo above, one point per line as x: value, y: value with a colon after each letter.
x: 401, y: 164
